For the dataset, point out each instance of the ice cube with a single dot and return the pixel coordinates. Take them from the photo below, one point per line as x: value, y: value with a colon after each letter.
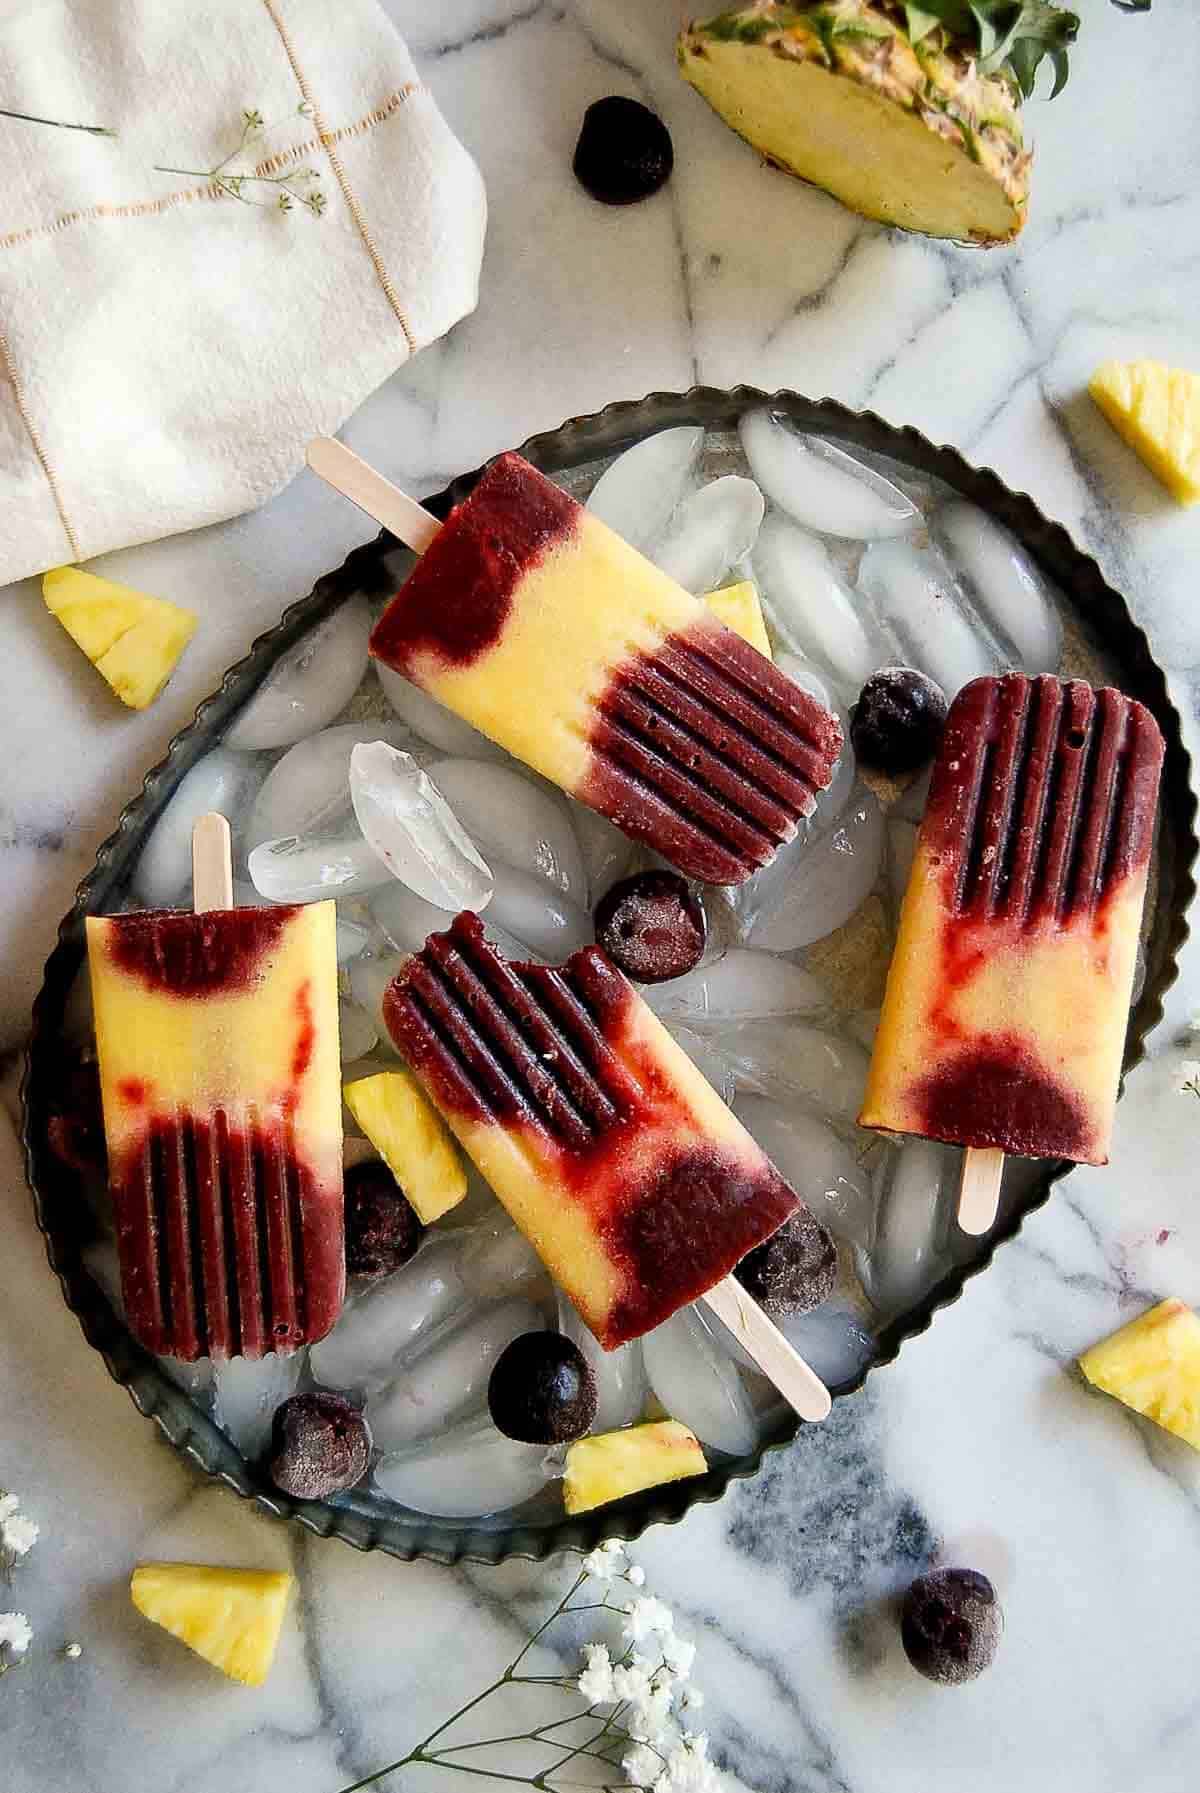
x: 916, y: 595
x: 819, y: 484
x: 802, y: 672
x: 607, y: 853
x: 414, y: 830
x: 433, y: 722
x: 836, y: 1339
x: 514, y: 818
x: 195, y: 1379
x: 301, y: 868
x: 707, y: 1057
x: 811, y: 608
x: 103, y: 1265
x: 709, y: 531
x: 308, y: 790
x: 308, y: 687
x: 538, y: 914
x: 369, y: 978
x: 353, y: 938
x: 408, y: 920
x: 468, y: 1473
x: 620, y: 1374
x: 788, y: 1059
x: 820, y: 1167
x: 837, y: 793
x: 815, y: 884
x: 449, y: 1378
x: 736, y: 986
x: 499, y: 1260
x: 917, y: 1182
x: 221, y: 780
x: 637, y: 495
x: 698, y: 1385
x: 248, y: 1390
x: 374, y: 1332
x: 357, y: 1031
x: 1004, y: 582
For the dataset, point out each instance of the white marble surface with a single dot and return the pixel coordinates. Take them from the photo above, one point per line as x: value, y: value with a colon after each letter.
x: 979, y: 1445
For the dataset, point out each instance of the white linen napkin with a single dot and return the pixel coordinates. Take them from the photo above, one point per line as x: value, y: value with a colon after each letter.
x: 166, y: 350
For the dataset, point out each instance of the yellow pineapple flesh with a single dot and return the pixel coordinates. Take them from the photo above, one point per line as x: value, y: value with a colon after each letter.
x: 739, y: 609
x: 1156, y: 409
x: 839, y: 93
x: 613, y: 1464
x: 412, y: 1139
x: 1153, y: 1366
x: 231, y: 1617
x: 134, y: 641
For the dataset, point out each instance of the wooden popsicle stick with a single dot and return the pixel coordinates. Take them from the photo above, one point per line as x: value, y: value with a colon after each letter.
x: 212, y: 863
x: 348, y: 474
x: 779, y: 1362
x: 979, y: 1188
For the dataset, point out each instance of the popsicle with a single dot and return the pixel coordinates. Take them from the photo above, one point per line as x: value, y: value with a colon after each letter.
x: 531, y: 619
x: 217, y: 1037
x: 1003, y: 1024
x: 622, y: 1166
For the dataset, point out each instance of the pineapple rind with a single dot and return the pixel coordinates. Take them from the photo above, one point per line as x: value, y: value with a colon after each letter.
x: 1153, y: 1366
x: 230, y: 1617
x: 1156, y: 410
x: 133, y: 640
x: 865, y: 41
x: 610, y: 1465
x: 412, y: 1139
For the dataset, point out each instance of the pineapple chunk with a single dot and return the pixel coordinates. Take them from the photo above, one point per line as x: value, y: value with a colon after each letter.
x: 1156, y: 409
x: 613, y: 1464
x: 1153, y: 1366
x: 412, y: 1139
x: 738, y: 608
x: 132, y: 640
x: 231, y: 1617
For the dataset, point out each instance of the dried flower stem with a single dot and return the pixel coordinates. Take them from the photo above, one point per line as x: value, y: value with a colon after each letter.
x: 233, y: 181
x: 59, y: 124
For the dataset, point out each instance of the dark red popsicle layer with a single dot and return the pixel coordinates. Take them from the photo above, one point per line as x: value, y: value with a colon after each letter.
x: 456, y: 600
x: 1043, y: 797
x: 530, y: 1047
x: 197, y: 955
x: 229, y: 1245
x: 706, y: 752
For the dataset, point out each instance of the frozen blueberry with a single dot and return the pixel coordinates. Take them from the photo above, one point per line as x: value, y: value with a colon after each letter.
x: 897, y: 722
x: 319, y: 1444
x: 794, y: 1270
x: 624, y: 151
x: 542, y: 1390
x: 382, y: 1230
x: 950, y: 1625
x: 651, y: 926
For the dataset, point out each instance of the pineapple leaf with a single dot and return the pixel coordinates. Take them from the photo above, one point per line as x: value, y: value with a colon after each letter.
x: 1011, y: 37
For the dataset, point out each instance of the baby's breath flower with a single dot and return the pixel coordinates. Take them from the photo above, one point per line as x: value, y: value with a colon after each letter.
x: 18, y: 1535
x: 1189, y: 1077
x: 649, y: 1718
x: 8, y: 1506
x: 253, y: 120
x: 678, y: 1655
x: 16, y: 1634
x: 632, y: 1680
x: 635, y: 1575
x: 603, y: 1563
x: 596, y: 1681
x: 641, y: 1766
x: 646, y: 1617
x: 691, y: 1699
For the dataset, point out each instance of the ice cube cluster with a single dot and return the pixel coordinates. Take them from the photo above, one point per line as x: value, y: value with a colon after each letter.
x: 341, y: 779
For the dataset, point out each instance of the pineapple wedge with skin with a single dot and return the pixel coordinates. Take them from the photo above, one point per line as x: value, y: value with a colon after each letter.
x: 836, y: 91
x: 412, y: 1139
x: 133, y: 640
x: 1156, y: 410
x: 611, y: 1465
x: 738, y: 608
x: 1153, y: 1366
x: 231, y: 1617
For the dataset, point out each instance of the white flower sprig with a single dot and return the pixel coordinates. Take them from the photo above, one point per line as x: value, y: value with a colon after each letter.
x: 1189, y: 1077
x: 18, y: 1535
x: 635, y: 1690
x: 280, y: 191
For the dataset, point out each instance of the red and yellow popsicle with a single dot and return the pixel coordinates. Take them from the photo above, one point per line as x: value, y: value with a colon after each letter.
x: 531, y: 619
x: 217, y: 1036
x: 621, y: 1165
x: 1004, y: 1020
